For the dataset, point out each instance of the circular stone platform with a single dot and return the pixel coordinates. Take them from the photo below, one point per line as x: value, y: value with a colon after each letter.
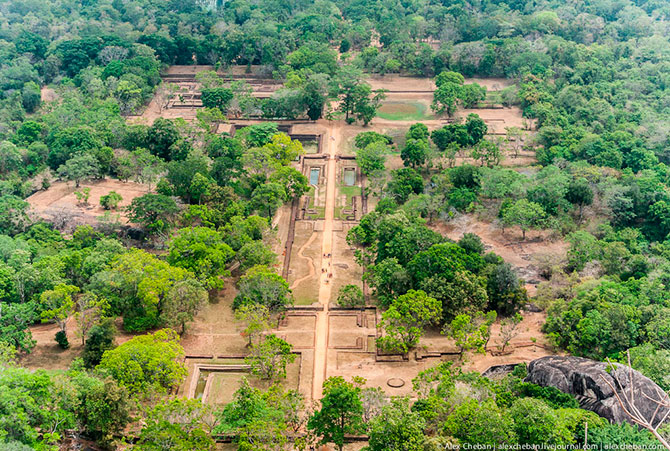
x: 395, y: 382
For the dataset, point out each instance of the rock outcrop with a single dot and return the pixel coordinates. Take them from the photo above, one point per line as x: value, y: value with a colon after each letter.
x: 589, y: 381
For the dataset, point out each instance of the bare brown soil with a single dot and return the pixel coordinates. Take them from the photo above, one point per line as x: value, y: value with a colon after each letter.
x: 60, y: 200
x: 47, y: 94
x: 47, y: 354
x: 521, y: 254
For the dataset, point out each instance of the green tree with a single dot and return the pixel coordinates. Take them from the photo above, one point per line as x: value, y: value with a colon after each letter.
x: 417, y: 131
x: 147, y: 363
x: 255, y: 253
x: 445, y: 98
x: 147, y: 291
x: 449, y: 77
x: 57, y: 305
x: 83, y: 195
x: 397, y: 428
x: 465, y: 292
x: 525, y: 214
x: 476, y: 128
x: 350, y: 296
x: 90, y: 311
x: 456, y: 134
x: 487, y: 152
x: 13, y: 216
x: 505, y: 291
x: 293, y: 181
x: 103, y: 408
x: 405, y: 320
x: 536, y: 423
x: 267, y: 198
x: 179, y: 425
x: 184, y: 300
x: 80, y: 167
x: 652, y: 362
x: 471, y: 94
x: 14, y: 322
x: 257, y: 135
x: 203, y: 251
x: 403, y: 183
x: 314, y: 94
x: 36, y: 411
x: 482, y: 423
x: 340, y: 412
x: 579, y: 193
x: 471, y: 332
x: 257, y: 319
x: 372, y: 157
x: 31, y: 97
x: 200, y: 187
x: 217, y: 98
x: 364, y: 139
x: 261, y: 285
x: 269, y: 358
x: 261, y: 420
x: 11, y: 157
x: 161, y: 136
x: 658, y: 330
x: 153, y: 211
x: 415, y: 152
x: 284, y: 149
x: 357, y: 99
x: 389, y: 279
x: 100, y: 338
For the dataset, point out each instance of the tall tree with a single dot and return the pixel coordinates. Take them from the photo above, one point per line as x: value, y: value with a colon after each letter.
x: 261, y: 285
x: 269, y: 358
x: 153, y: 211
x: 147, y: 363
x: 397, y: 428
x: 202, y: 251
x: 525, y: 214
x: 340, y: 412
x: 57, y: 306
x: 80, y: 167
x: 406, y: 318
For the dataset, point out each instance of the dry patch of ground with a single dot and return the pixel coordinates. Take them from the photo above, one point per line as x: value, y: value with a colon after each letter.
x: 60, y: 201
x: 48, y: 355
x: 522, y: 255
x: 47, y: 94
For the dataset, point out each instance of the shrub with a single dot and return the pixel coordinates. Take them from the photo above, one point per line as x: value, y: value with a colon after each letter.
x: 110, y: 201
x: 61, y: 339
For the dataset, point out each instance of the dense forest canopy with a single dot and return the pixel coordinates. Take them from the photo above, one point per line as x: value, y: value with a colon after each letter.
x: 593, y: 77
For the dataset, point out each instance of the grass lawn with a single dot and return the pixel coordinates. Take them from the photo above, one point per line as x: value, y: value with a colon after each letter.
x: 404, y: 111
x: 350, y: 191
x: 303, y: 300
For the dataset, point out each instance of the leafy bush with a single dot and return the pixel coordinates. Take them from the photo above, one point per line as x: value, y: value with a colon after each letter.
x: 61, y: 339
x: 110, y: 201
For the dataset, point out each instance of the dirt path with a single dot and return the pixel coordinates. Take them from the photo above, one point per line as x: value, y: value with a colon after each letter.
x: 310, y: 261
x: 332, y: 137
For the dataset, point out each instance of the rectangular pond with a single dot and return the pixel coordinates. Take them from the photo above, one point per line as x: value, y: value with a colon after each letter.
x: 314, y: 176
x: 349, y: 177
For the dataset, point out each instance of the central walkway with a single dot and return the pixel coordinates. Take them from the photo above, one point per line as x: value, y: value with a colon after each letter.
x: 322, y: 323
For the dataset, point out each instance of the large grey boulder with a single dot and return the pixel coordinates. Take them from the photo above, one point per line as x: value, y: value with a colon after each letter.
x: 589, y: 381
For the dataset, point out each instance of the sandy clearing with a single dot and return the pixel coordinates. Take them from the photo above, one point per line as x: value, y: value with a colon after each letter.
x: 522, y: 255
x: 60, y: 199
